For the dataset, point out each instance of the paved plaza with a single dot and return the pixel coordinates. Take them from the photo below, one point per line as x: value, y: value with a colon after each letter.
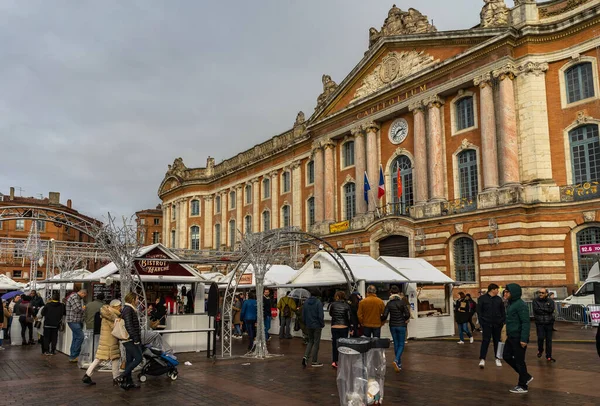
x: 434, y: 373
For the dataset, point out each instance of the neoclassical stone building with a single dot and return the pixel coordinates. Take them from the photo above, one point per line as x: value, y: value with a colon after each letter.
x: 493, y: 132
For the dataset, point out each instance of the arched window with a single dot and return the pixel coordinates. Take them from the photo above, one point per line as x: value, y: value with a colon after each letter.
x: 285, y: 216
x: 217, y: 204
x: 248, y: 192
x: 247, y: 224
x: 310, y: 208
x: 266, y: 186
x: 579, y: 80
x: 173, y: 212
x: 285, y: 182
x: 195, y: 237
x: 232, y: 199
x: 266, y: 220
x: 590, y: 235
x: 467, y: 170
x: 350, y: 200
x: 195, y: 207
x: 348, y: 154
x: 310, y: 172
x: 585, y: 153
x: 465, y: 115
x: 173, y: 235
x: 232, y: 232
x: 404, y: 199
x: 464, y: 260
x: 217, y: 237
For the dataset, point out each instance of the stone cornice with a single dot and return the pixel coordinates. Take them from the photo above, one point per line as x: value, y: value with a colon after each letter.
x: 533, y: 68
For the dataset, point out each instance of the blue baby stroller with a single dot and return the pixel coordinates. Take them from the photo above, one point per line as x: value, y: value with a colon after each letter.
x: 158, y: 362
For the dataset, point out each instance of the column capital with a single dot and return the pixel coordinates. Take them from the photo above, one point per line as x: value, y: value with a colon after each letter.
x: 295, y: 164
x: 416, y: 106
x: 239, y: 188
x: 508, y: 71
x: 371, y: 126
x: 274, y: 174
x: 254, y: 180
x: 207, y: 198
x: 533, y: 68
x: 357, y: 131
x: 316, y: 145
x: 483, y: 80
x: 434, y: 101
x: 328, y: 143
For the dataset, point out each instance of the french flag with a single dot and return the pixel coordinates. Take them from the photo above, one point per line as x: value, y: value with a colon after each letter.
x: 381, y: 188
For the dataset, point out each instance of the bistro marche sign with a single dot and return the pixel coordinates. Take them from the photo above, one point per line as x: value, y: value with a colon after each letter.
x: 339, y: 227
x: 154, y: 264
x: 157, y: 263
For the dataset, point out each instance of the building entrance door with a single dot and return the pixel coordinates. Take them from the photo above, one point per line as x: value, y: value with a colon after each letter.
x: 394, y: 246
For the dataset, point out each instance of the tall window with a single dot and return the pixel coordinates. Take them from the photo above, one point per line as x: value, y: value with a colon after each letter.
x: 195, y: 207
x: 286, y: 181
x: 464, y: 260
x: 590, y: 235
x: 17, y: 274
x: 465, y: 116
x: 467, y: 171
x: 217, y: 237
x: 310, y: 208
x: 173, y: 235
x: 580, y: 82
x: 310, y: 172
x: 41, y: 226
x: 285, y: 215
x: 266, y: 220
x: 155, y: 237
x: 157, y: 222
x: 248, y: 193
x: 195, y: 237
x: 406, y: 199
x: 232, y: 233
x: 266, y: 188
x: 1, y: 222
x: 585, y: 153
x: 350, y: 200
x: 247, y: 224
x: 348, y: 153
x: 173, y: 212
x: 20, y: 225
x: 232, y: 199
x: 218, y: 204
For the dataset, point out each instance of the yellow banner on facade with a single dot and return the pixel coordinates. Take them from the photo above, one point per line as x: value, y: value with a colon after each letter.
x: 339, y: 227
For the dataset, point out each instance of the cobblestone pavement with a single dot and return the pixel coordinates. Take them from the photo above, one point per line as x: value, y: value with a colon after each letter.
x: 434, y: 373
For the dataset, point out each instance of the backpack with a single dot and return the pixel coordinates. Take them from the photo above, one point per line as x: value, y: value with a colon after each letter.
x: 287, y: 311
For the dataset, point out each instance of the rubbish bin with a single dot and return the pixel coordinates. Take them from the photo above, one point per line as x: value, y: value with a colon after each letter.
x: 361, y: 371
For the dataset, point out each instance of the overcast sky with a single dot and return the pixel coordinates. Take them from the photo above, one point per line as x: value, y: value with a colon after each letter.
x: 98, y: 97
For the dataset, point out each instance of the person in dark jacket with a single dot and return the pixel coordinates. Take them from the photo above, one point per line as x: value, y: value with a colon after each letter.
x: 340, y: 322
x: 26, y: 316
x: 543, y: 311
x: 472, y: 306
x: 492, y: 315
x: 517, y: 337
x: 462, y: 315
x: 53, y: 313
x: 355, y: 299
x: 133, y: 346
x: 313, y: 315
x: 399, y: 318
x: 36, y: 301
x: 249, y: 316
x: 598, y: 340
x: 267, y: 304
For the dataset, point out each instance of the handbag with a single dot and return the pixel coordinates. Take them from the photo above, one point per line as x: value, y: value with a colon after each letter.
x: 37, y: 324
x: 119, y: 331
x: 28, y: 318
x: 61, y: 326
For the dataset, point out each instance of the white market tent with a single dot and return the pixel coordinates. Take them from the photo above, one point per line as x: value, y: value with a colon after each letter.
x: 7, y: 283
x: 276, y: 275
x: 416, y: 270
x: 76, y: 274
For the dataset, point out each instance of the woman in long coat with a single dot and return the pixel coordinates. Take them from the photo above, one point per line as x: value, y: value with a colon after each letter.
x: 108, y: 347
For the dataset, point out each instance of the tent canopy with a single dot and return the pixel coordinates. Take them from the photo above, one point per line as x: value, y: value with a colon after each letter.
x: 276, y: 275
x: 416, y: 270
x: 7, y: 283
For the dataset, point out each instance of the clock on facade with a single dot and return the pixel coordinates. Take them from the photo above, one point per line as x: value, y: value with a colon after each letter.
x: 398, y: 131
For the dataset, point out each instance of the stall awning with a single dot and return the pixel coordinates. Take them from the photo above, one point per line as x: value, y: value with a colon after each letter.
x: 7, y: 283
x: 416, y: 270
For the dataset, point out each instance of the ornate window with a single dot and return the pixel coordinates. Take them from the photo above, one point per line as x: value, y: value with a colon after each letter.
x: 247, y: 224
x: 266, y: 220
x: 348, y: 154
x: 465, y: 113
x: 217, y: 204
x: 590, y: 235
x: 310, y: 208
x: 266, y: 188
x: 585, y: 153
x: 285, y: 182
x: 310, y: 172
x: 579, y: 81
x: 20, y: 225
x: 467, y: 170
x: 285, y: 216
x: 464, y: 260
x: 173, y: 235
x: 195, y: 205
x: 195, y: 237
x: 350, y: 200
x: 173, y: 212
x: 217, y: 237
x: 232, y: 232
x: 232, y: 199
x: 401, y: 203
x: 248, y: 192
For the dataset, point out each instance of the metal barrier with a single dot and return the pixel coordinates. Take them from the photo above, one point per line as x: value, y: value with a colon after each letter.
x: 572, y: 313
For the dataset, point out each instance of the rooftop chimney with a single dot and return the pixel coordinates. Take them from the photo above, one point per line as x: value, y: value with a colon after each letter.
x: 54, y: 197
x: 69, y: 203
x: 12, y: 193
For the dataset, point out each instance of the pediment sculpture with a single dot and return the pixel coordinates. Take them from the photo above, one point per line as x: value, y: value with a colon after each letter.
x: 394, y: 67
x: 177, y: 169
x: 329, y: 87
x: 494, y: 14
x: 401, y: 22
x: 299, y: 119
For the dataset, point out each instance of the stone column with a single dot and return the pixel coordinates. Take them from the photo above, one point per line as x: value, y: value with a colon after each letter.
x: 329, y: 188
x: 509, y: 150
x: 208, y: 222
x: 420, y: 175
x: 296, y: 193
x: 255, y: 205
x: 274, y: 199
x: 318, y: 185
x: 489, y: 144
x: 182, y: 226
x: 165, y: 222
x: 239, y: 205
x: 435, y: 156
x: 372, y: 130
x: 360, y: 166
x: 224, y: 225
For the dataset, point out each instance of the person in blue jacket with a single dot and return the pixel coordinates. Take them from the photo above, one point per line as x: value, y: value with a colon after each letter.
x: 312, y: 313
x: 248, y: 316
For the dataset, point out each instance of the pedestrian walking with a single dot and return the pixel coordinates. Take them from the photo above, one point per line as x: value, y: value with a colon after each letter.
x: 133, y: 345
x: 492, y: 315
x: 108, y: 346
x: 355, y: 324
x: 3, y: 321
x: 517, y: 332
x: 237, y: 320
x: 399, y: 314
x: 598, y: 340
x: 462, y: 315
x: 7, y: 321
x: 75, y: 318
x: 312, y: 313
x: 267, y: 304
x: 286, y: 307
x: 26, y: 317
x: 53, y: 313
x: 249, y: 316
x: 543, y: 312
x: 370, y: 310
x: 472, y: 306
x: 340, y: 323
